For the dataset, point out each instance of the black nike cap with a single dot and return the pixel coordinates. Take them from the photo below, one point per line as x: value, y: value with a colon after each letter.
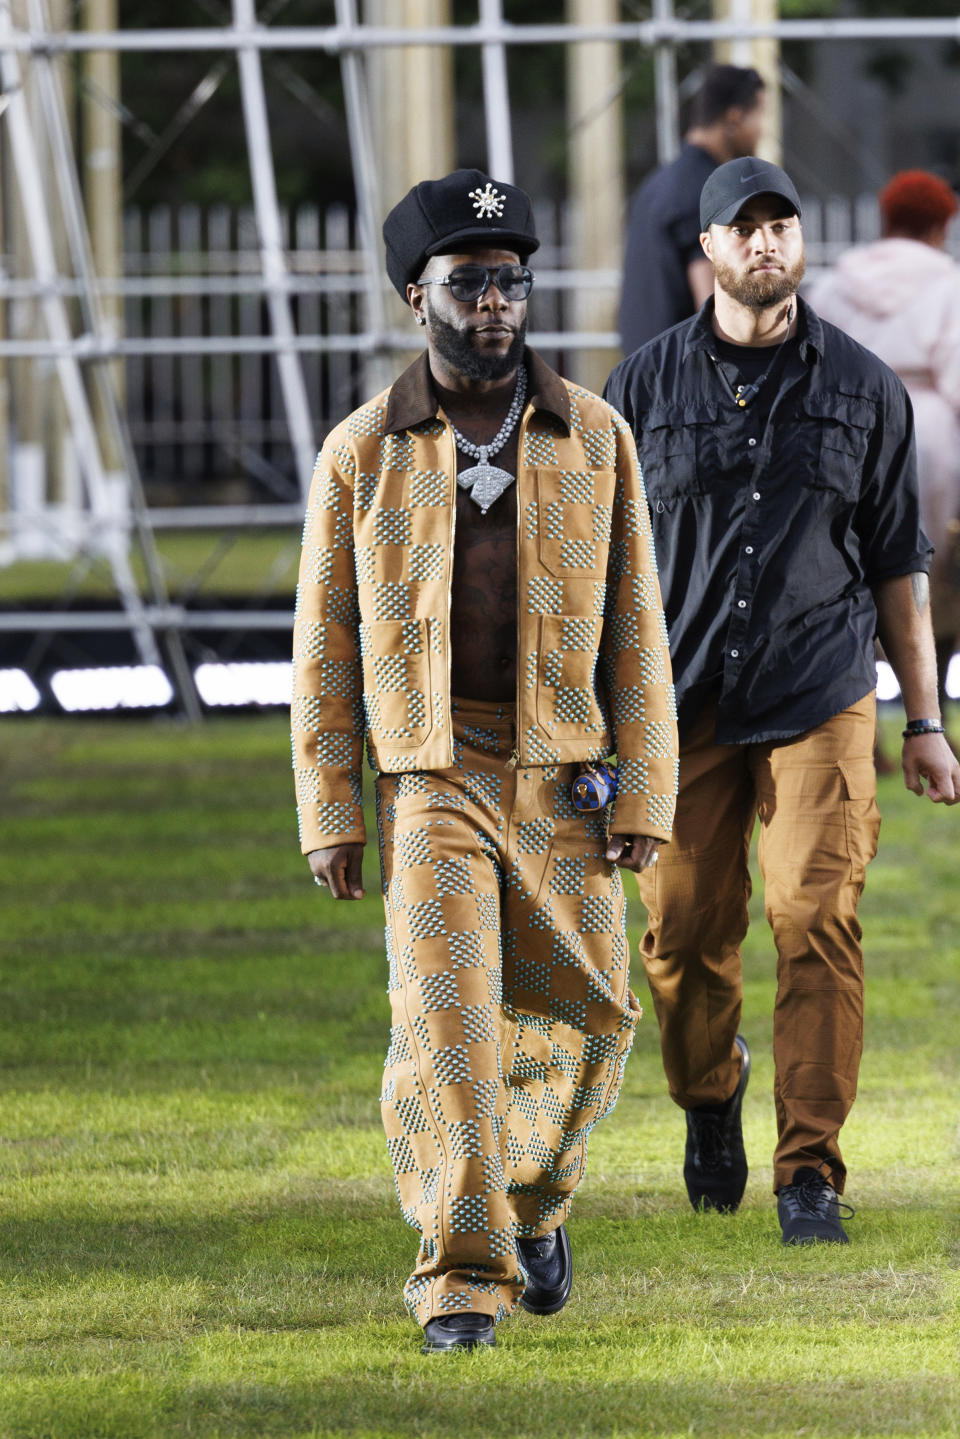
x: 730, y: 186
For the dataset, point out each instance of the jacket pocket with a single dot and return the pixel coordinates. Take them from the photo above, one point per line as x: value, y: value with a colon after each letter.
x: 574, y: 512
x: 843, y: 425
x: 566, y: 683
x: 672, y: 445
x: 396, y: 681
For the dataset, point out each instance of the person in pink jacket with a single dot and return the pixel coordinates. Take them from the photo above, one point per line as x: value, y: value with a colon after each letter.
x: 900, y: 297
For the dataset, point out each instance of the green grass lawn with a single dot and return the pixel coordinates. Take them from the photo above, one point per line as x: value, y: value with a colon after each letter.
x: 198, y: 1229
x: 196, y: 564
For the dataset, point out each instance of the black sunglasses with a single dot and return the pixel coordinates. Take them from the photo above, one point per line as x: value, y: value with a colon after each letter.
x: 471, y: 282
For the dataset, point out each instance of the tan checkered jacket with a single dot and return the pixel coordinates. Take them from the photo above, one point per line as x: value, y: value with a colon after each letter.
x: 371, y: 637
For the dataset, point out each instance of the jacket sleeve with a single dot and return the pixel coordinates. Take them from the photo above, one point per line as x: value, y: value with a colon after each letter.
x: 327, y: 711
x: 635, y: 661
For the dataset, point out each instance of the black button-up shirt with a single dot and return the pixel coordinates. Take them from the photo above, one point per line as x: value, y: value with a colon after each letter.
x: 773, y: 522
x: 663, y: 239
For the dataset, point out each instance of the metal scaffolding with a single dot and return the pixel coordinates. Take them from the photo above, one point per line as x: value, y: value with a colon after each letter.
x: 79, y: 343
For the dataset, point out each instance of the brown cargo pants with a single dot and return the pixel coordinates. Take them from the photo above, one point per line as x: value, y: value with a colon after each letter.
x: 512, y: 1019
x: 816, y: 799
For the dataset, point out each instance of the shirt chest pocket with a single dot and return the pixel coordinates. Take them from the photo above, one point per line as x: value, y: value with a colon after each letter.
x: 840, y: 426
x: 673, y: 450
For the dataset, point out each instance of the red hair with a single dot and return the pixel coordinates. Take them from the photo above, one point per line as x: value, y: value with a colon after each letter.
x: 914, y: 202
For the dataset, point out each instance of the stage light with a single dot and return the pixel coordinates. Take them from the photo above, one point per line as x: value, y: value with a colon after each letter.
x: 266, y: 682
x: 18, y: 693
x: 887, y: 686
x: 118, y: 687
x: 953, y: 678
x: 888, y: 689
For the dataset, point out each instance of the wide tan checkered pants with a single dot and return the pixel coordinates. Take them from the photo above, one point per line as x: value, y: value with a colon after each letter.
x: 512, y: 1019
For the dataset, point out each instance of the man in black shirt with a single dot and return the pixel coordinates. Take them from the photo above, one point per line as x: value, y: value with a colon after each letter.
x: 665, y: 274
x: 779, y: 461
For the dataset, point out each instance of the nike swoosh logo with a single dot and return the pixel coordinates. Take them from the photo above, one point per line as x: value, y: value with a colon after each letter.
x: 745, y: 179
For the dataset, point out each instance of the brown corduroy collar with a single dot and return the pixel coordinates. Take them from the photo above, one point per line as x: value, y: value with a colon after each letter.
x: 413, y: 399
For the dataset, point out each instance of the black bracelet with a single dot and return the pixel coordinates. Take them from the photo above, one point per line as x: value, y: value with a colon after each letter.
x: 922, y: 726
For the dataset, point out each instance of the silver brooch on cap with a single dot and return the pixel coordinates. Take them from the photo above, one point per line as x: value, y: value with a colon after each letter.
x: 488, y: 202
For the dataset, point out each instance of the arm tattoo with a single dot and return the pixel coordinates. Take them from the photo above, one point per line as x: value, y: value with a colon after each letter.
x: 920, y: 585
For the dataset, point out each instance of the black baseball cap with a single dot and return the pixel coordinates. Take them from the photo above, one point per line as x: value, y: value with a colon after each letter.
x: 463, y: 209
x: 730, y: 186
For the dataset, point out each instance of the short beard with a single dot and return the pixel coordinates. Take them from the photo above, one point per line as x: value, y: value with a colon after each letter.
x: 457, y: 348
x: 756, y: 291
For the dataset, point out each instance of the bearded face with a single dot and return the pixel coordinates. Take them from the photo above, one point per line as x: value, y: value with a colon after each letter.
x: 466, y: 350
x: 758, y: 259
x: 480, y: 340
x: 759, y: 288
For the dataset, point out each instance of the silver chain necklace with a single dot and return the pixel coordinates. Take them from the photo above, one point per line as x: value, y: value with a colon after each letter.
x: 484, y: 481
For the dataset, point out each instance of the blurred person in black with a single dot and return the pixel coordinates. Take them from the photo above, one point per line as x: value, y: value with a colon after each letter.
x: 665, y: 275
x: 780, y: 467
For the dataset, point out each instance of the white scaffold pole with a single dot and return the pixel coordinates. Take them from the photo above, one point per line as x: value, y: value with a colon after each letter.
x: 37, y: 223
x: 665, y: 85
x: 367, y: 192
x: 272, y: 252
x: 71, y: 204
x: 496, y: 96
x: 337, y: 39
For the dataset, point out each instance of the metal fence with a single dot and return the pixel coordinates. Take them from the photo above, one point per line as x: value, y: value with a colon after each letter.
x: 212, y: 425
x: 203, y: 400
x: 217, y: 420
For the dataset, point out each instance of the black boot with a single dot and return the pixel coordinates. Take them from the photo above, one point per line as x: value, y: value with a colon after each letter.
x: 457, y: 1331
x: 548, y: 1264
x: 715, y: 1164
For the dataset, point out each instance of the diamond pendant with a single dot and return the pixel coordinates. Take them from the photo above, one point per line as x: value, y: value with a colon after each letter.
x: 486, y: 483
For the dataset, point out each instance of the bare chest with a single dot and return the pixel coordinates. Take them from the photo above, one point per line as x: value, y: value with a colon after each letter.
x: 484, y: 595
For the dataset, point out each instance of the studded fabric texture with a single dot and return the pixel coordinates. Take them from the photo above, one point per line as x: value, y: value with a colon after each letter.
x: 512, y: 1019
x: 371, y: 640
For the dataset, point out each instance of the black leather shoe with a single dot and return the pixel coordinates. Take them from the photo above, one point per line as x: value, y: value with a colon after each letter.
x: 809, y: 1210
x: 548, y: 1264
x: 715, y: 1164
x: 457, y: 1331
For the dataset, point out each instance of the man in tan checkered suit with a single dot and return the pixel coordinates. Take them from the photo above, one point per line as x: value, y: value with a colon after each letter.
x: 478, y: 602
